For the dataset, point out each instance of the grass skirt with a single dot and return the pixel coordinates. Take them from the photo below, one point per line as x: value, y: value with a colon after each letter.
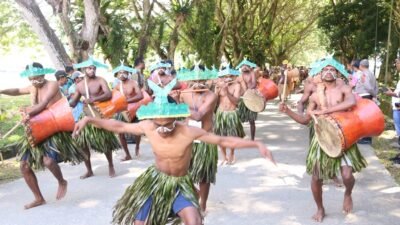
x: 204, y: 163
x: 98, y: 139
x: 62, y: 143
x: 162, y: 188
x: 319, y: 163
x: 246, y: 114
x: 227, y: 123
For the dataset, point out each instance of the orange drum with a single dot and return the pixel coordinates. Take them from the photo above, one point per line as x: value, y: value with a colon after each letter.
x: 108, y: 109
x: 267, y: 88
x: 133, y: 107
x: 338, y: 131
x: 58, y: 117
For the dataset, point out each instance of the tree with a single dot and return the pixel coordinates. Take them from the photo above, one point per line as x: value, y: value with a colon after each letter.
x: 33, y: 15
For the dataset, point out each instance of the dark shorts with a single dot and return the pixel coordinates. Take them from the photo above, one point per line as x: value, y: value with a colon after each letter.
x: 49, y: 153
x: 179, y: 203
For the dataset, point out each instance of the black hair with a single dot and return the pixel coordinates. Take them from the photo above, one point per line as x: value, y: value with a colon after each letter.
x: 34, y: 64
x: 138, y: 61
x: 201, y: 67
x: 69, y: 69
x: 59, y: 74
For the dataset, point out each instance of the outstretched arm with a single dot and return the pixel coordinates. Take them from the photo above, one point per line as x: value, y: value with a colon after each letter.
x: 233, y: 142
x: 16, y: 91
x: 110, y: 125
x: 300, y: 118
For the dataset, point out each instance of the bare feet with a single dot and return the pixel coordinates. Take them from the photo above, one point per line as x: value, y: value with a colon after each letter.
x: 62, y: 190
x: 337, y: 182
x: 86, y: 175
x: 137, y: 153
x: 223, y: 162
x: 232, y: 160
x: 127, y: 158
x: 35, y: 203
x: 347, y: 204
x: 111, y: 171
x: 319, y: 215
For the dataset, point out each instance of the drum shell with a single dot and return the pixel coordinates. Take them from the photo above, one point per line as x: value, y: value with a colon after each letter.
x: 133, y: 107
x: 108, y: 109
x: 267, y: 88
x: 57, y: 118
x: 363, y: 120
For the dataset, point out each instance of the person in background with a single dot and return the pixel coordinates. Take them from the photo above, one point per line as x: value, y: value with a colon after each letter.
x: 61, y: 77
x: 396, y: 109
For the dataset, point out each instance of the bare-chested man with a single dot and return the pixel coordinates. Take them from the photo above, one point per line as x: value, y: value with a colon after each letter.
x: 44, y: 93
x: 202, y: 102
x: 247, y: 80
x: 227, y: 121
x: 94, y: 89
x: 337, y: 98
x: 161, y: 75
x: 130, y: 89
x: 165, y: 187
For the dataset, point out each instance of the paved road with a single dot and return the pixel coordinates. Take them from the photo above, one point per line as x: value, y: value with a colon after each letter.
x: 252, y: 191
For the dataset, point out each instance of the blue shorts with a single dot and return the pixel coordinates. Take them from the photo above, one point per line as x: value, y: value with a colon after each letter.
x: 179, y: 203
x: 49, y: 153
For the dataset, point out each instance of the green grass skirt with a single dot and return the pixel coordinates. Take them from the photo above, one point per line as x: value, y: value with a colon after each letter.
x: 204, y: 163
x: 227, y: 123
x: 62, y: 143
x: 319, y: 163
x: 162, y: 188
x: 246, y: 114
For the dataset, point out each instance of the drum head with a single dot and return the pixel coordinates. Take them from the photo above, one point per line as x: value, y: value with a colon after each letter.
x: 254, y: 100
x: 329, y: 136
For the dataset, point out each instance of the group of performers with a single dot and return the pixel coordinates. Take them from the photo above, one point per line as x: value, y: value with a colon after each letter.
x: 184, y: 128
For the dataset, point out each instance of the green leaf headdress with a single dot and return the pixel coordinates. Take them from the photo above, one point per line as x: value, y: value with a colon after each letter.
x: 124, y: 68
x: 246, y: 62
x: 196, y: 74
x: 36, y: 71
x: 228, y: 71
x: 90, y: 62
x: 160, y: 107
x: 318, y: 65
x: 159, y: 65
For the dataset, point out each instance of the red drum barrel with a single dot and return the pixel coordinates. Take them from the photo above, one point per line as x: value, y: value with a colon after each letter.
x: 133, y: 107
x: 267, y: 88
x: 108, y: 109
x: 338, y: 131
x: 57, y: 118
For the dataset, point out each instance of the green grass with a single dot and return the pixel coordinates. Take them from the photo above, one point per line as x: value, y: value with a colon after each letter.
x: 9, y: 170
x: 384, y: 149
x: 9, y: 116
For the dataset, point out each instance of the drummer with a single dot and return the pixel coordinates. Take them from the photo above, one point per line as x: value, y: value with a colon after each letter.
x: 130, y: 89
x: 227, y: 121
x: 44, y: 93
x: 247, y: 80
x: 202, y: 102
x: 337, y: 98
x: 94, y: 89
x: 161, y: 75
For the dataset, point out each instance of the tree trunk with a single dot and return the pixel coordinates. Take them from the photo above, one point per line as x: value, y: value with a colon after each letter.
x: 33, y: 15
x: 146, y: 26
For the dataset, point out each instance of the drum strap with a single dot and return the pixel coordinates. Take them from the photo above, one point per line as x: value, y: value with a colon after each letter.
x: 199, y: 99
x: 87, y: 97
x: 121, y: 89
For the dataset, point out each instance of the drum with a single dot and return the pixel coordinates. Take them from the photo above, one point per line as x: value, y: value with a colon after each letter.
x: 57, y: 118
x: 267, y: 88
x: 107, y: 109
x: 253, y: 100
x: 338, y: 131
x: 130, y: 114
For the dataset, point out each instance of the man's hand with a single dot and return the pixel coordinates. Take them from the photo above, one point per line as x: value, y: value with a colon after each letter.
x: 266, y: 153
x: 88, y: 101
x: 79, y: 126
x: 320, y: 112
x: 283, y: 107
